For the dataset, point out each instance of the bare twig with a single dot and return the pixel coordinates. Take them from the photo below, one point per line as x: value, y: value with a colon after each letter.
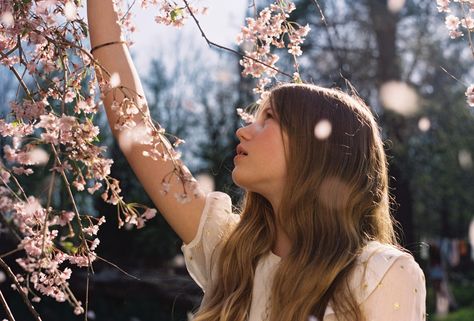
x: 469, y: 34
x: 452, y: 76
x: 128, y: 10
x: 211, y: 43
x: 18, y: 77
x: 118, y: 268
x: 86, y: 308
x: 23, y: 295
x: 332, y: 47
x: 6, y: 307
x: 10, y: 252
x: 73, y: 201
x: 4, y: 221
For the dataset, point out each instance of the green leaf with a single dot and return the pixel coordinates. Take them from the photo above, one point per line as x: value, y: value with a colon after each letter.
x: 175, y: 14
x: 69, y: 247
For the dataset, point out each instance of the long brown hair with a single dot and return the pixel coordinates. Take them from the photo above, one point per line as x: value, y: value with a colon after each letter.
x: 335, y: 201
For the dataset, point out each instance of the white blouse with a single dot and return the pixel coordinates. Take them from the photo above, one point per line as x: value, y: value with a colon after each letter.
x: 388, y: 284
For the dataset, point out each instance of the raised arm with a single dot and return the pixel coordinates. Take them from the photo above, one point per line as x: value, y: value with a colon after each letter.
x: 115, y: 58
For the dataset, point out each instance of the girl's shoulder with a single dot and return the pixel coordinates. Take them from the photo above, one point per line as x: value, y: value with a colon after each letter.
x: 383, y: 270
x: 375, y: 262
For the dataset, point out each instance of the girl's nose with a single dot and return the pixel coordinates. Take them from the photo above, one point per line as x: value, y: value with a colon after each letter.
x: 242, y: 133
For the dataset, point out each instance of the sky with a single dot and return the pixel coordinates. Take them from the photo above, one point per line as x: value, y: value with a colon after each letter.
x: 221, y: 25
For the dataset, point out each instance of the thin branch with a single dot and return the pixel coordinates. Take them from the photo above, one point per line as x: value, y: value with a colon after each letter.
x: 23, y: 295
x: 6, y: 307
x: 469, y: 34
x: 87, y: 295
x: 339, y: 59
x: 128, y: 10
x: 10, y: 252
x: 18, y: 77
x: 452, y: 76
x: 73, y: 201
x: 4, y: 221
x: 211, y: 43
x: 118, y: 268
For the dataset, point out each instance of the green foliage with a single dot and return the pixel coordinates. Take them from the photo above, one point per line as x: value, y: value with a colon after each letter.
x: 465, y: 314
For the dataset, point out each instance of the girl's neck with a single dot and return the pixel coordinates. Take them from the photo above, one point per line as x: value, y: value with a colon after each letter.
x: 282, y: 245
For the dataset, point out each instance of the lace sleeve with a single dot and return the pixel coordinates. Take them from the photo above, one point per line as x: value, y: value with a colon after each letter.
x: 217, y: 221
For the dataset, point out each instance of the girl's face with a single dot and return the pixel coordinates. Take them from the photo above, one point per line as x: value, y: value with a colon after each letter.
x: 260, y: 164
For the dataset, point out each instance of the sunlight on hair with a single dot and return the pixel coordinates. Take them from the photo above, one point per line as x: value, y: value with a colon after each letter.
x: 334, y: 193
x: 323, y: 129
x: 424, y: 124
x: 70, y: 11
x: 465, y: 159
x: 114, y: 80
x: 399, y: 97
x: 38, y: 156
x: 206, y: 182
x: 7, y: 19
x: 130, y: 137
x: 394, y: 6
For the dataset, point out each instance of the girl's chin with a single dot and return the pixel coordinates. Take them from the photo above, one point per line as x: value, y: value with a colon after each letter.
x: 238, y: 180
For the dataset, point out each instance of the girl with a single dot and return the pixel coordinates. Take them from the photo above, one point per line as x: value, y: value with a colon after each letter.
x: 314, y: 239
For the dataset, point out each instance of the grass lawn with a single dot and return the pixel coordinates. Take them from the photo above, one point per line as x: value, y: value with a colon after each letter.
x: 463, y: 314
x: 463, y: 291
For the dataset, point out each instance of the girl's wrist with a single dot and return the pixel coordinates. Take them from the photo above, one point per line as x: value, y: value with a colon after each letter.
x: 107, y: 44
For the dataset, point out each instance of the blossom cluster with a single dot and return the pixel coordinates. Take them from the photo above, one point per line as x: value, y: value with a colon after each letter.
x: 453, y: 22
x: 459, y: 20
x: 270, y: 29
x: 170, y: 13
x: 51, y: 126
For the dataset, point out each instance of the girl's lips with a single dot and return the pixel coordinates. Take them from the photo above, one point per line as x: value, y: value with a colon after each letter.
x: 240, y: 150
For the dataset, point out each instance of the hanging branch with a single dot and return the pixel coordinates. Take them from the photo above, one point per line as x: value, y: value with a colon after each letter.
x: 6, y: 307
x: 332, y: 47
x: 23, y: 295
x: 211, y: 43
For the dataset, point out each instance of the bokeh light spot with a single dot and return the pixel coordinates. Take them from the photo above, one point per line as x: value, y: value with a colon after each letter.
x: 70, y: 11
x: 424, y: 124
x: 323, y: 129
x: 399, y: 97
x: 206, y: 182
x: 6, y: 18
x: 395, y: 6
x: 114, y: 80
x: 465, y: 159
x: 38, y: 156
